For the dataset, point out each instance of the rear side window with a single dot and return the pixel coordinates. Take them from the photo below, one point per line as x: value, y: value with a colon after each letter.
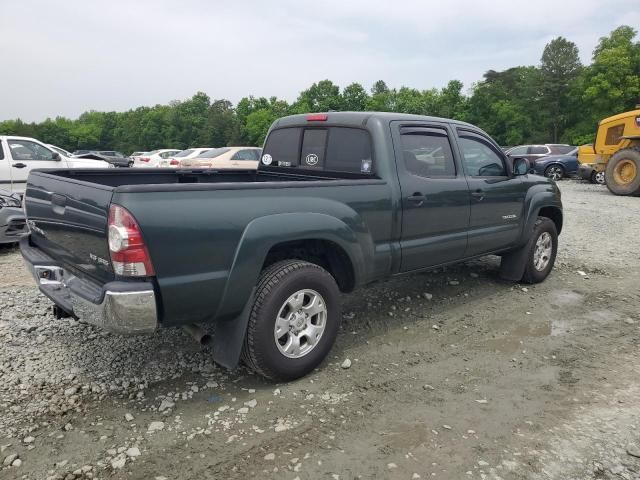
x: 338, y: 149
x: 538, y: 150
x: 428, y: 154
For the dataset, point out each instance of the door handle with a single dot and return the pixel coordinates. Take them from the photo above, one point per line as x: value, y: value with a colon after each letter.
x: 417, y: 198
x: 19, y: 165
x: 478, y: 195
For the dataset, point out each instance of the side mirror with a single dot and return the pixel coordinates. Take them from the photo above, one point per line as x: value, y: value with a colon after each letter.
x: 55, y: 156
x: 521, y: 166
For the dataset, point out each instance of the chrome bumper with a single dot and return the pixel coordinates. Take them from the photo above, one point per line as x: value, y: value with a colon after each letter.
x: 121, y: 307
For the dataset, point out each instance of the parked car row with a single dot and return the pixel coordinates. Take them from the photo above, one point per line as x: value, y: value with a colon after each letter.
x: 554, y: 161
x: 244, y: 158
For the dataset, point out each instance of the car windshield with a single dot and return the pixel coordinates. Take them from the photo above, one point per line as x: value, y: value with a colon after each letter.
x: 213, y: 153
x: 184, y: 153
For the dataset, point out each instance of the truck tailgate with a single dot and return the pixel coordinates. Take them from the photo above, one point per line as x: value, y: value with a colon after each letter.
x: 68, y: 220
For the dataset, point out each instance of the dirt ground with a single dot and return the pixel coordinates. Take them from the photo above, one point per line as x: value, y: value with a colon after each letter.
x: 454, y: 374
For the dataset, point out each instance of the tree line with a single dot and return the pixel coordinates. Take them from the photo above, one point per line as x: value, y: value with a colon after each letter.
x: 559, y: 100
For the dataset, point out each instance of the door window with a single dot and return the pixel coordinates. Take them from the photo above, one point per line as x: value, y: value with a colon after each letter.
x: 538, y: 150
x: 26, y: 150
x: 248, y: 154
x: 480, y: 159
x: 518, y: 151
x: 427, y: 154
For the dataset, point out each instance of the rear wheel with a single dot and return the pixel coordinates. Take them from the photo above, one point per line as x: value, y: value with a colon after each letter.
x: 554, y: 172
x: 294, y: 320
x: 542, y: 250
x: 623, y: 172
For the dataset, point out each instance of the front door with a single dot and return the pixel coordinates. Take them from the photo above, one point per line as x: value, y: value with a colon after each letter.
x: 435, y: 196
x: 25, y: 155
x: 497, y: 198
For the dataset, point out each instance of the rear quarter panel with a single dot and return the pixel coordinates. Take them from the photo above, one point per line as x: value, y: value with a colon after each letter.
x: 194, y: 237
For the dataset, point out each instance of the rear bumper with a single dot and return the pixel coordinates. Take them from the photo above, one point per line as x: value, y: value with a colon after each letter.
x: 13, y: 224
x: 121, y: 307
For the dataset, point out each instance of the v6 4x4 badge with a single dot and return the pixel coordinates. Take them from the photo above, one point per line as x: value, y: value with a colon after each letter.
x: 311, y: 159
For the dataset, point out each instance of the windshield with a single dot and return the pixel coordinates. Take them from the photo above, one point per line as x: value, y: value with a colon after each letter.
x: 184, y: 153
x: 213, y: 153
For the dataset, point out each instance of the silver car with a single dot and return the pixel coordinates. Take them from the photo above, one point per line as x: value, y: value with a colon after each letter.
x: 13, y: 223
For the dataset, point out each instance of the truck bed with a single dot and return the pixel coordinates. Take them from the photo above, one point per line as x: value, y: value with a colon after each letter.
x: 172, y: 179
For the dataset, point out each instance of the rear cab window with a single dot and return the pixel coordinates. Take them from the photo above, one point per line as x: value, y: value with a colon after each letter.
x: 334, y: 149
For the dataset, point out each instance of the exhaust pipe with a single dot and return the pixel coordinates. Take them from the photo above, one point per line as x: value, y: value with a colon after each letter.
x: 199, y: 334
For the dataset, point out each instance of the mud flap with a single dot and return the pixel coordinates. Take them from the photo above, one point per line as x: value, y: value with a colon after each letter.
x: 228, y: 337
x: 513, y: 264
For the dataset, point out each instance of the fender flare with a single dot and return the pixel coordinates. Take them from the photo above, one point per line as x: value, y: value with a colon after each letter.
x: 258, y: 238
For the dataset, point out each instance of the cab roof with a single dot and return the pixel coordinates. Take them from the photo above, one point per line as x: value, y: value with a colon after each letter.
x: 359, y: 119
x: 621, y: 116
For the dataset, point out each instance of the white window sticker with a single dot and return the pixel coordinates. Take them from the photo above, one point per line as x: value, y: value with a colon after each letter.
x: 266, y: 159
x: 311, y: 159
x: 365, y: 166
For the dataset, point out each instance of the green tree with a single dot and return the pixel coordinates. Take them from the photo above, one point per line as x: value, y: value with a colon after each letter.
x: 319, y: 97
x: 559, y: 67
x: 354, y: 98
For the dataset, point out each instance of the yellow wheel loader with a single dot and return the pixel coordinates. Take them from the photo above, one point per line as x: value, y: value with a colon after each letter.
x: 614, y: 157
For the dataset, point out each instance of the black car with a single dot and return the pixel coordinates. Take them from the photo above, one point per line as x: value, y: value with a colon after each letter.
x: 556, y: 167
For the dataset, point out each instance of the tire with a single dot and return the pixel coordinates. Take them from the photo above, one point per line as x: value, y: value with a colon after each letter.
x: 623, y: 172
x: 598, y: 178
x: 554, y: 172
x: 262, y: 352
x: 532, y: 272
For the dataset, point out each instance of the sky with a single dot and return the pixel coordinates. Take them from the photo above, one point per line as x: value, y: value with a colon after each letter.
x: 61, y: 58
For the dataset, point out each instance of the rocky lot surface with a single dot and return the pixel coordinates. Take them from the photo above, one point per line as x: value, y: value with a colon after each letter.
x: 449, y: 374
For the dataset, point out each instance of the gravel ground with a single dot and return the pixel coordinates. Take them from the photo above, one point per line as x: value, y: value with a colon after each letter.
x: 450, y: 374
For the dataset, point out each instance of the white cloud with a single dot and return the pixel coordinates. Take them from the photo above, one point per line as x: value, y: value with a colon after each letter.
x: 62, y: 58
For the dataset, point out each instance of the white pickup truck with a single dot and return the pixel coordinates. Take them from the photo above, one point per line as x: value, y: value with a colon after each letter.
x: 19, y: 155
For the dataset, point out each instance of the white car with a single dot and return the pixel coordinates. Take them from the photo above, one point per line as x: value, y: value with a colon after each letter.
x: 136, y: 155
x: 19, y: 155
x: 239, y: 158
x: 174, y: 161
x: 153, y: 158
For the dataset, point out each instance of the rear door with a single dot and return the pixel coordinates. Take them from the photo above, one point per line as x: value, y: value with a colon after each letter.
x: 5, y: 168
x: 497, y: 199
x: 435, y: 196
x: 23, y: 156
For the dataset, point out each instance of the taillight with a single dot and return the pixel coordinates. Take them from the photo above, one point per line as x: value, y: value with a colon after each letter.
x: 317, y: 117
x: 174, y: 162
x: 144, y: 159
x: 129, y: 254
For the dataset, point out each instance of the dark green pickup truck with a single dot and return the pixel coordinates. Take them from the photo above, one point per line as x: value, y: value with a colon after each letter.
x: 339, y: 200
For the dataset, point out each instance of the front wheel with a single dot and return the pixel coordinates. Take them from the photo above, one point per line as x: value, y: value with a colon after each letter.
x: 294, y: 320
x: 598, y: 178
x: 554, y: 172
x: 542, y: 250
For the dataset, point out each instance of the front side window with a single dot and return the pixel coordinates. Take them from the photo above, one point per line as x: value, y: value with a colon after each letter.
x: 480, y: 159
x: 614, y: 134
x: 518, y: 151
x: 26, y: 150
x: 428, y: 154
